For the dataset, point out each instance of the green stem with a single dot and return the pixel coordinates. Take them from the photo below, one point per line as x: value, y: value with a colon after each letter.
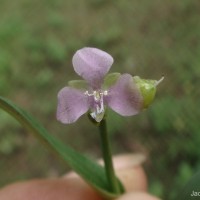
x: 110, y: 173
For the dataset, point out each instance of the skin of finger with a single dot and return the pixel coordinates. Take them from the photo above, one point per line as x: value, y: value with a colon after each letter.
x: 137, y: 196
x: 68, y: 188
x: 129, y: 170
x: 133, y: 178
x: 53, y: 189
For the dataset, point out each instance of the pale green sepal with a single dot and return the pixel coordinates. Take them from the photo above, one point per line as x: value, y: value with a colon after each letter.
x: 110, y: 80
x: 147, y: 88
x: 78, y: 84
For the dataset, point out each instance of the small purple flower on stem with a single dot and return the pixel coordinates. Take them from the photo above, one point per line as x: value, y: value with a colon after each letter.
x: 123, y: 96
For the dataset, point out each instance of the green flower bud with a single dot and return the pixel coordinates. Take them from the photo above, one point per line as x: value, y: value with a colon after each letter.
x: 147, y: 88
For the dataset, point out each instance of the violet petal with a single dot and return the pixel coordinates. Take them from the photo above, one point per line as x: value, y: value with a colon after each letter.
x: 72, y: 103
x: 92, y: 64
x: 124, y: 97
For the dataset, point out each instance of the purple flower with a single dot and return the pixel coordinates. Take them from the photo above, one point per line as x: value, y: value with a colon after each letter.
x: 122, y: 95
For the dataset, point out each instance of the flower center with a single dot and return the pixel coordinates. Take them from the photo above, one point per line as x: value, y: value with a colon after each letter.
x: 97, y: 110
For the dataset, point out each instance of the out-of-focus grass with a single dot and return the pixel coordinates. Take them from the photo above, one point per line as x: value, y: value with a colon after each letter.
x: 146, y: 38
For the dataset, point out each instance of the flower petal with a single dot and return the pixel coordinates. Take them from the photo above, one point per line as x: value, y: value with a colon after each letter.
x: 72, y: 103
x: 92, y: 64
x: 124, y: 97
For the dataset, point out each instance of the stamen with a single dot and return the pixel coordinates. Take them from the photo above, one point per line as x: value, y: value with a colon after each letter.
x: 88, y: 94
x: 105, y: 92
x: 95, y: 93
x: 98, y: 107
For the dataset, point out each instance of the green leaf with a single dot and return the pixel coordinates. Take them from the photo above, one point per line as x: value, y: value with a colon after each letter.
x: 90, y: 171
x: 191, y: 191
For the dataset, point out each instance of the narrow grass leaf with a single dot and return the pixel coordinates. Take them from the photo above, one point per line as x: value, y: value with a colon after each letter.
x: 90, y: 171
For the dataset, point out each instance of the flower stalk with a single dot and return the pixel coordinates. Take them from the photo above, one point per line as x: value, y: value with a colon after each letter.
x: 108, y: 164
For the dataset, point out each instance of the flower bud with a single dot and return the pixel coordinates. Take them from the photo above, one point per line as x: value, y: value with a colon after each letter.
x: 147, y: 88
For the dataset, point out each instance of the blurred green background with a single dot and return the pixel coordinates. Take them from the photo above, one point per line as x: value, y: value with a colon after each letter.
x: 146, y: 38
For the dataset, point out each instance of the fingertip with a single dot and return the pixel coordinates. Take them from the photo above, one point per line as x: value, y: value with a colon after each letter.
x: 124, y: 161
x: 130, y: 171
x: 133, y: 179
x: 138, y: 196
x: 49, y: 189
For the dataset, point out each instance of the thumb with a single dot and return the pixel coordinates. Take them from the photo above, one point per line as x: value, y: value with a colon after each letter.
x: 130, y: 171
x: 137, y: 196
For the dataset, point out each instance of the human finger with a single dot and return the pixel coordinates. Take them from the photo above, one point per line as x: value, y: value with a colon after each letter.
x: 129, y: 170
x: 49, y: 189
x: 137, y: 196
